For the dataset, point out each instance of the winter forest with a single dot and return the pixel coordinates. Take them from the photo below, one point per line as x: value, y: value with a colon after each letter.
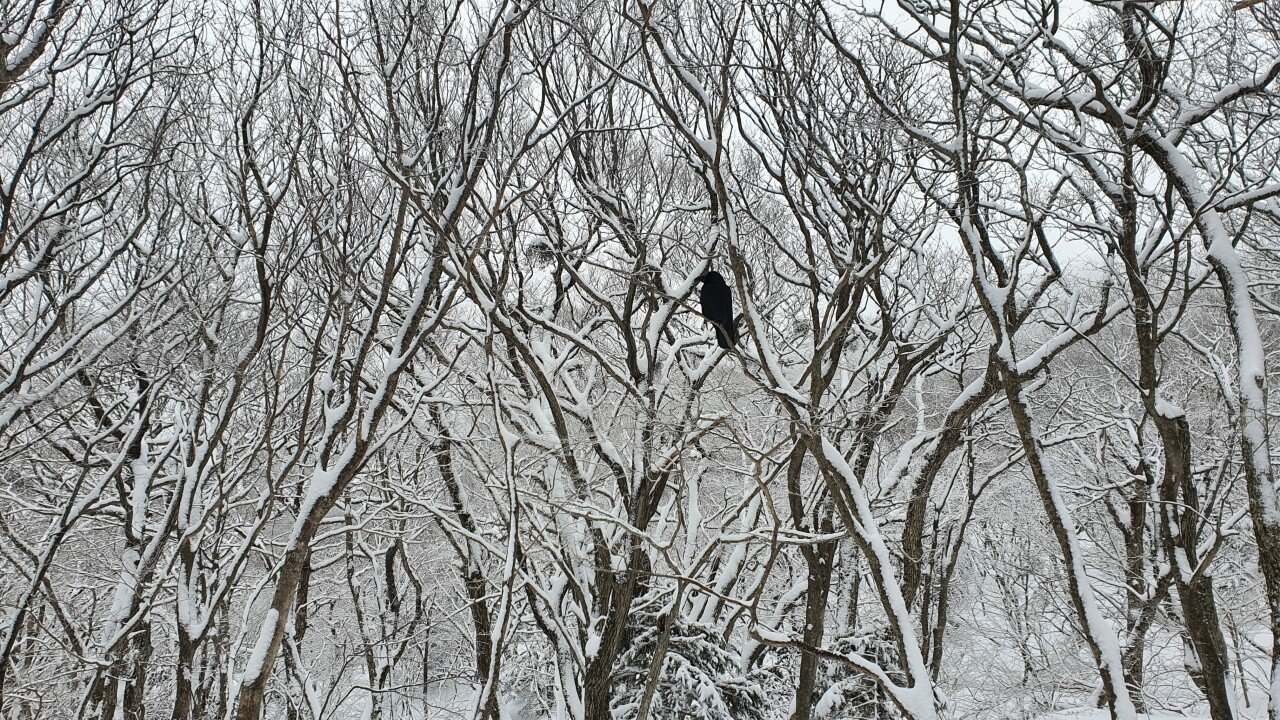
x: 367, y: 359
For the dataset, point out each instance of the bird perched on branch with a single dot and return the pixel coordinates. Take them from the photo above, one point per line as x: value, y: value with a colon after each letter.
x: 717, y: 306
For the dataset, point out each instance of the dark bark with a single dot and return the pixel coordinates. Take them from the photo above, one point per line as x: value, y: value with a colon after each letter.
x: 473, y: 579
x: 1179, y: 498
x: 818, y: 560
x: 184, y: 691
x: 619, y: 589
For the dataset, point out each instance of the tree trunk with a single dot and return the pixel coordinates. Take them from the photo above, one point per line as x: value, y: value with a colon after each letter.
x: 598, y: 681
x: 184, y: 691
x: 818, y: 561
x: 1115, y: 692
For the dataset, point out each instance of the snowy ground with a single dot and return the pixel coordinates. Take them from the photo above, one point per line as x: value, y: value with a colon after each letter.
x: 1100, y: 714
x: 449, y: 700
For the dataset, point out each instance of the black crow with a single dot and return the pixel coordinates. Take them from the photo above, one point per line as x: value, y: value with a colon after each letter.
x: 717, y: 306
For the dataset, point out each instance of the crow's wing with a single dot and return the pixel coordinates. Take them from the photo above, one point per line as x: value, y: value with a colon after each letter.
x: 717, y: 306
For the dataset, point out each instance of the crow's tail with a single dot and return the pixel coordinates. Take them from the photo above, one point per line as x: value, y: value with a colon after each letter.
x: 726, y: 336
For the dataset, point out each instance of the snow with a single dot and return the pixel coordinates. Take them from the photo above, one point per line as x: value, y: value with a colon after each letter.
x: 1167, y: 409
x: 1251, y: 374
x: 1102, y: 714
x: 323, y: 480
x: 593, y: 643
x: 120, y: 253
x: 919, y: 697
x: 1094, y: 622
x: 253, y: 666
x: 770, y: 635
x: 122, y: 603
x: 450, y: 699
x: 829, y: 702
